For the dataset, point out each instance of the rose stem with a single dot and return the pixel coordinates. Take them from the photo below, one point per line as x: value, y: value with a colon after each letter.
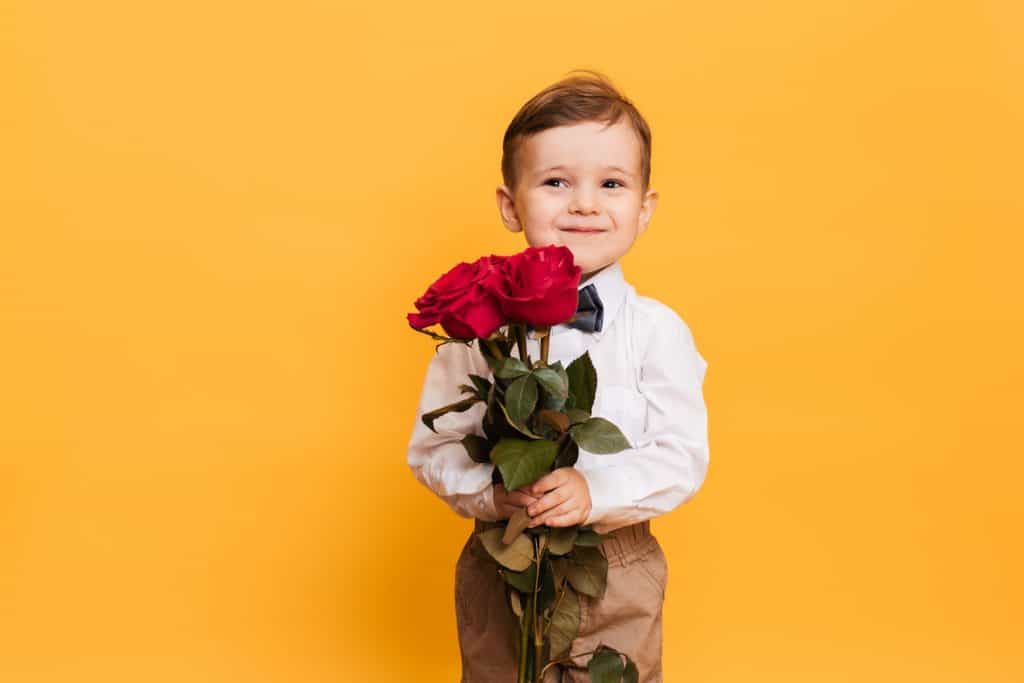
x: 524, y: 641
x: 521, y: 342
x: 537, y: 639
x: 544, y: 345
x: 495, y: 349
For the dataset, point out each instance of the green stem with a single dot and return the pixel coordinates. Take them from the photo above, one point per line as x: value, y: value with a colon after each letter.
x: 520, y: 331
x: 538, y: 635
x: 561, y: 660
x: 524, y: 642
x: 545, y: 342
x: 494, y: 348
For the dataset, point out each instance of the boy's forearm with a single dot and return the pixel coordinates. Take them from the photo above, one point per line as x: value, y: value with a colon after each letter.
x: 475, y: 506
x: 444, y: 467
x: 438, y: 459
x: 625, y: 493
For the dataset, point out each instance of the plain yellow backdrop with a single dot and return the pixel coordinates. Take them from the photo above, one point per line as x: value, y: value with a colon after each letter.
x: 215, y: 216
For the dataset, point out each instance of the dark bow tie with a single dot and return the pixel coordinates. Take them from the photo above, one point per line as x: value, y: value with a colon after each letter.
x: 589, y: 311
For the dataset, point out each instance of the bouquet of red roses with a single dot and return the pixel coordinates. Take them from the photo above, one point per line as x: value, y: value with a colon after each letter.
x: 537, y: 419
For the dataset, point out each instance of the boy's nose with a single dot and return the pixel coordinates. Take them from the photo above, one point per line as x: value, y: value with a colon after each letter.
x: 582, y: 202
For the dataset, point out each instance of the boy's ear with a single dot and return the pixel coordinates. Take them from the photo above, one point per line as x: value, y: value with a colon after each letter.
x: 507, y: 208
x: 647, y: 210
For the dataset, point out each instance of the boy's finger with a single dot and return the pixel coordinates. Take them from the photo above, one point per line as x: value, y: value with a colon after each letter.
x: 528, y: 489
x: 548, y: 501
x: 547, y: 482
x: 554, y: 513
x: 567, y: 519
x: 538, y: 487
x: 521, y: 499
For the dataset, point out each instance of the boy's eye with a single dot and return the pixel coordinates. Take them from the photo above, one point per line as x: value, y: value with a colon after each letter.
x: 559, y: 180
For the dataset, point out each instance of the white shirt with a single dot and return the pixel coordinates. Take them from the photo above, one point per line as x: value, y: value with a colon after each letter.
x: 650, y: 379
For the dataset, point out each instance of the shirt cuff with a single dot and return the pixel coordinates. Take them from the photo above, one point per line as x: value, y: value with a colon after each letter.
x: 488, y: 510
x: 606, y: 486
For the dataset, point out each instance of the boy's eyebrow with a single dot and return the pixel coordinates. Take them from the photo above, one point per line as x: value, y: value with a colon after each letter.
x: 607, y: 168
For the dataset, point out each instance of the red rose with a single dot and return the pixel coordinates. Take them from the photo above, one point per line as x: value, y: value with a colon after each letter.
x: 540, y: 286
x: 463, y: 300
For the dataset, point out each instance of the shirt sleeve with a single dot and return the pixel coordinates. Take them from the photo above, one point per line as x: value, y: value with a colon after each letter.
x: 438, y: 460
x: 669, y: 461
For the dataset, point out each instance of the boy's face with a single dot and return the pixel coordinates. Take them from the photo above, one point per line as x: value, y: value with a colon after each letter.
x: 568, y: 180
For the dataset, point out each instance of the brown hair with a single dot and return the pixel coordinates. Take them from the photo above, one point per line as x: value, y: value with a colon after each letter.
x: 574, y: 99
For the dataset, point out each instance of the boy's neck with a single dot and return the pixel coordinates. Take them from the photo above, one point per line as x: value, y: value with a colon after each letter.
x: 587, y: 276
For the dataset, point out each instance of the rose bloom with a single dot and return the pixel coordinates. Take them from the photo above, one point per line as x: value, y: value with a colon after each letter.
x: 463, y: 300
x: 539, y: 286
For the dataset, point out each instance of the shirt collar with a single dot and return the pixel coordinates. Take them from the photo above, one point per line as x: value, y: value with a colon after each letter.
x: 611, y: 287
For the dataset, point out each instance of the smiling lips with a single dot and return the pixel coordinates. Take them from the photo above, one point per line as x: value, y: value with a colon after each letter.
x: 583, y: 230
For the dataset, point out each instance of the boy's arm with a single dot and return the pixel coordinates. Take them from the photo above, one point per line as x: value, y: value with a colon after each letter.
x: 439, y: 461
x: 669, y: 461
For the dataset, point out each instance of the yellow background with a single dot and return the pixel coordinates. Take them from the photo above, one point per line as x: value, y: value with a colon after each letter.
x: 216, y: 215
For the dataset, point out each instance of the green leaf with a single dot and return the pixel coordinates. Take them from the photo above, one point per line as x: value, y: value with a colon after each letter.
x: 630, y: 675
x: 545, y: 430
x: 605, y: 666
x: 492, y: 362
x: 511, y: 368
x: 552, y: 402
x: 522, y: 581
x: 519, y: 520
x: 521, y: 398
x: 523, y: 462
x: 505, y: 347
x: 552, y: 382
x: 582, y: 382
x: 562, y: 539
x: 567, y: 455
x: 478, y: 447
x: 496, y: 422
x: 577, y: 416
x: 559, y: 567
x: 599, y: 435
x: 589, y: 538
x: 587, y: 571
x: 565, y: 622
x: 519, y: 427
x: 482, y: 384
x: 516, y: 556
x: 557, y: 367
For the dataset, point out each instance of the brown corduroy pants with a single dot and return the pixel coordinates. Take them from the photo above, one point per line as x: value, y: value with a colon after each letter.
x: 627, y: 617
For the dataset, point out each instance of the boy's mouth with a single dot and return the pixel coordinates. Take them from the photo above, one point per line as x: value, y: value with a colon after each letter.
x: 583, y: 230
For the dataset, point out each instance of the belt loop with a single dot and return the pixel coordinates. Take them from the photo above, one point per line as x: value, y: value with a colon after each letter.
x: 624, y: 543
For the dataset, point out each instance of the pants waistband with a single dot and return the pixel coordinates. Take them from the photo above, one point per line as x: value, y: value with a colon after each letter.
x: 620, y: 546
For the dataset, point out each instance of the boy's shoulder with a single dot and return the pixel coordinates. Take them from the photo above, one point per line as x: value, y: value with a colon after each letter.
x: 662, y: 336
x: 653, y: 318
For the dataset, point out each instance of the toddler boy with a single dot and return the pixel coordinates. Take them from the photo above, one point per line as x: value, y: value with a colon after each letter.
x: 576, y: 172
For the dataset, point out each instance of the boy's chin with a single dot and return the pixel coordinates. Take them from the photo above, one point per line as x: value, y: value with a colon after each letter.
x: 587, y: 262
x: 590, y: 261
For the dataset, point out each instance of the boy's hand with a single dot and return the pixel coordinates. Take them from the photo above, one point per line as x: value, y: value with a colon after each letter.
x: 507, y: 503
x: 564, y: 498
